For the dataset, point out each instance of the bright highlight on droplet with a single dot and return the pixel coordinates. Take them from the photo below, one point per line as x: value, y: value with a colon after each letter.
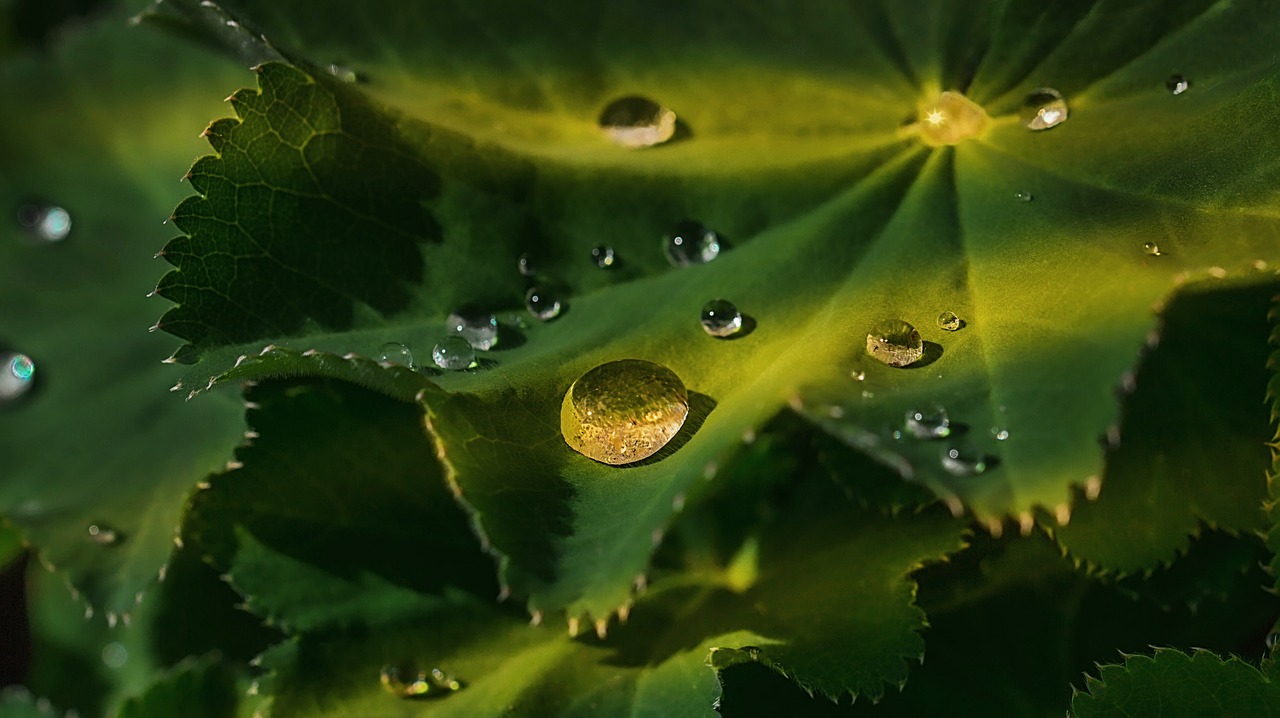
x: 17, y: 375
x: 636, y: 122
x: 931, y: 423
x: 542, y: 303
x: 104, y: 535
x: 395, y: 353
x: 1044, y: 108
x: 895, y: 343
x: 623, y: 411
x: 950, y: 119
x: 50, y: 223
x: 603, y: 256
x: 478, y: 327
x: 948, y: 321
x: 453, y: 354
x: 405, y: 680
x: 1176, y: 84
x: 691, y: 242
x: 720, y: 318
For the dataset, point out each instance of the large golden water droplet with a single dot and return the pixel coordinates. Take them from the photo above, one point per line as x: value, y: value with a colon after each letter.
x: 950, y: 119
x: 623, y: 411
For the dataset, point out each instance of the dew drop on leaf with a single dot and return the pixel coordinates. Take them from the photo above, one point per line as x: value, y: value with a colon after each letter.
x: 1024, y: 196
x: 344, y: 74
x: 104, y: 535
x: 963, y: 461
x: 453, y: 354
x: 950, y: 119
x: 1152, y: 249
x: 720, y: 318
x: 999, y: 433
x: 48, y: 224
x: 948, y: 321
x: 635, y: 122
x: 478, y: 327
x: 405, y: 680
x: 395, y: 353
x: 603, y: 256
x: 542, y: 304
x: 931, y: 423
x: 1044, y: 108
x: 623, y: 411
x: 17, y: 375
x: 1176, y: 84
x: 526, y: 265
x: 691, y: 243
x: 895, y: 343
x: 114, y: 655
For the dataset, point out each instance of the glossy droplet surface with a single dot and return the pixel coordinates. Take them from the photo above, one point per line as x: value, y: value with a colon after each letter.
x: 49, y: 224
x: 542, y: 303
x: 478, y: 327
x: 395, y: 353
x: 1176, y: 84
x: 405, y: 680
x: 1023, y: 197
x: 17, y: 375
x: 948, y: 321
x: 635, y: 122
x: 950, y: 119
x: 526, y: 265
x: 1044, y: 108
x: 104, y: 535
x: 895, y: 343
x: 720, y: 318
x: 963, y: 461
x: 1152, y: 249
x: 603, y: 256
x: 690, y: 242
x: 344, y: 73
x: 453, y: 354
x: 930, y: 423
x: 623, y: 411
x: 999, y: 433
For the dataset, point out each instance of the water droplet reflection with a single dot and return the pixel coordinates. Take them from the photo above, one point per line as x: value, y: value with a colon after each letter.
x: 720, y: 318
x: 963, y: 461
x: 17, y: 376
x: 542, y: 304
x: 691, y: 243
x: 623, y: 411
x: 395, y: 353
x: 1152, y: 249
x: 636, y: 122
x: 49, y: 223
x: 1044, y: 108
x: 478, y: 327
x: 895, y: 343
x: 1176, y: 84
x: 932, y: 423
x: 453, y: 354
x: 603, y: 256
x: 104, y: 535
x: 948, y: 321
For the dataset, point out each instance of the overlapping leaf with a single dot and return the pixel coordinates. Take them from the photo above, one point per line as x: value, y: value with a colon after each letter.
x: 330, y: 222
x: 1172, y: 684
x: 101, y: 127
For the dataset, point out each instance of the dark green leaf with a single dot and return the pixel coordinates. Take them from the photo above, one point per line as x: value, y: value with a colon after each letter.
x: 198, y: 688
x: 1172, y: 684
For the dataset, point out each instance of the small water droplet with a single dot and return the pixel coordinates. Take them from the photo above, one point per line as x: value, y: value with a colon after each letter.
x: 395, y: 353
x: 478, y: 327
x: 623, y: 411
x: 114, y: 655
x: 635, y: 122
x: 720, y: 318
x: 104, y: 535
x: 344, y: 74
x: 895, y: 343
x: 542, y: 304
x: 603, y: 256
x: 405, y: 680
x: 1152, y: 249
x: 948, y: 321
x: 950, y: 119
x: 1044, y: 108
x: 691, y: 243
x: 17, y: 376
x: 526, y: 265
x: 1176, y: 84
x: 453, y: 354
x: 963, y: 461
x: 999, y: 433
x: 49, y: 223
x: 932, y: 423
x: 859, y: 376
x: 1024, y: 196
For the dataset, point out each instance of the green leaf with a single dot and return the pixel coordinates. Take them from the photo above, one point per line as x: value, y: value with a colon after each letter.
x: 10, y: 544
x: 1273, y: 476
x: 345, y: 484
x: 1176, y: 432
x: 104, y: 132
x: 1172, y: 683
x: 413, y: 194
x: 200, y: 688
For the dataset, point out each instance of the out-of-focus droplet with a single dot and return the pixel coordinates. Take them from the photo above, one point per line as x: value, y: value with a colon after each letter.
x: 49, y: 223
x: 963, y: 461
x: 603, y: 256
x: 17, y: 376
x: 1152, y: 249
x: 931, y: 423
x: 104, y: 535
x: 1176, y: 84
x: 635, y: 122
x: 720, y: 318
x: 691, y: 243
x: 542, y: 303
x: 526, y: 265
x: 895, y: 343
x: 395, y: 353
x: 623, y: 411
x: 950, y: 119
x: 453, y: 354
x: 1044, y: 108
